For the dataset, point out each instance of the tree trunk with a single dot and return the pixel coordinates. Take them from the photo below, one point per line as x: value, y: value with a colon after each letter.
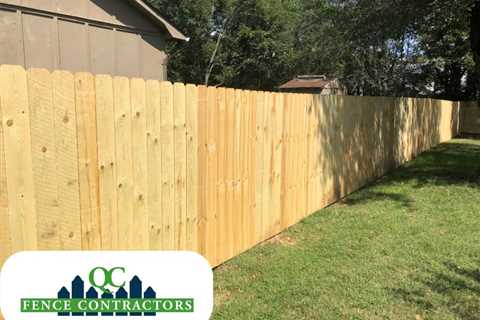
x: 475, y: 42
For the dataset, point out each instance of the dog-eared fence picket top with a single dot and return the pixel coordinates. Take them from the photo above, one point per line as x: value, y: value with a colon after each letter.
x: 135, y: 292
x: 110, y: 163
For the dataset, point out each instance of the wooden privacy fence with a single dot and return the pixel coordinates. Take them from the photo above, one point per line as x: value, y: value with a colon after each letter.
x: 94, y: 162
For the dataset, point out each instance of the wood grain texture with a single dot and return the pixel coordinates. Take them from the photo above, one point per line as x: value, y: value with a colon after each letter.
x: 88, y: 160
x: 154, y: 165
x: 124, y: 162
x: 5, y: 230
x: 65, y: 124
x: 229, y: 173
x: 168, y: 165
x: 18, y: 158
x: 180, y: 167
x: 259, y: 165
x: 193, y: 183
x: 202, y: 171
x: 221, y: 227
x: 237, y: 175
x: 40, y: 89
x: 212, y: 174
x: 107, y: 162
x: 140, y: 165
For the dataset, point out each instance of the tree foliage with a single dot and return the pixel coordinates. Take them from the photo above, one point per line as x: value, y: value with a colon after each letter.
x: 376, y: 47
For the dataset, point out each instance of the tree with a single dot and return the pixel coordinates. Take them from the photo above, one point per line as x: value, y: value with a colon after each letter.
x: 376, y: 47
x: 475, y: 44
x: 188, y: 61
x: 257, y: 45
x: 445, y: 48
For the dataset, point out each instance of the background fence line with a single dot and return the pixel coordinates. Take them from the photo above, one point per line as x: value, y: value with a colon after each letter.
x: 470, y: 118
x: 100, y: 163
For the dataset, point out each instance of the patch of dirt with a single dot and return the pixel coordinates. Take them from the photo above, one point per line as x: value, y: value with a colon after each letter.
x: 225, y: 267
x: 283, y: 240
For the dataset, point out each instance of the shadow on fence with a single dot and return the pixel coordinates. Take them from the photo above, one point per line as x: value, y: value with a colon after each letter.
x: 445, y: 165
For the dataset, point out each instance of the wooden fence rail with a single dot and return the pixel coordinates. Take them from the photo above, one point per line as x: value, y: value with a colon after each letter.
x: 94, y: 162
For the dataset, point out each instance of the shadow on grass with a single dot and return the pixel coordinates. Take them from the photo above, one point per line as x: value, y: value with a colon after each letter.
x: 447, y: 164
x: 369, y: 195
x: 457, y: 287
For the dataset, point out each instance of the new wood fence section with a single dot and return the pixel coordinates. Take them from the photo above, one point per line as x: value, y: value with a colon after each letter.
x: 100, y: 163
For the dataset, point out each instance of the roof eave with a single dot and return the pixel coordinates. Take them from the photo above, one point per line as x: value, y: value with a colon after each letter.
x: 171, y: 30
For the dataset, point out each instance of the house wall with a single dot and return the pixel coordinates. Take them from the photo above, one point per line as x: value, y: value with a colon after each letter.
x: 98, y: 36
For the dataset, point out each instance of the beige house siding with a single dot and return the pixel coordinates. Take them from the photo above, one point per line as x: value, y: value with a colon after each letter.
x: 98, y: 36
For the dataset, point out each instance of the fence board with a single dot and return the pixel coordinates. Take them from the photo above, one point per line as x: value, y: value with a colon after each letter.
x: 202, y: 169
x: 211, y: 180
x: 88, y: 159
x: 124, y: 161
x: 18, y: 158
x: 244, y: 153
x: 267, y: 165
x: 193, y: 183
x: 140, y: 165
x: 252, y: 167
x: 259, y: 165
x: 65, y: 119
x: 237, y: 189
x: 44, y: 164
x: 5, y: 231
x: 168, y: 173
x: 154, y: 165
x: 221, y: 230
x: 286, y: 164
x: 229, y: 193
x: 277, y: 159
x: 180, y: 167
x: 107, y: 162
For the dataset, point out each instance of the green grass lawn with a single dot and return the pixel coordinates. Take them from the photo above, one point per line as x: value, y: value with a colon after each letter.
x: 407, y: 247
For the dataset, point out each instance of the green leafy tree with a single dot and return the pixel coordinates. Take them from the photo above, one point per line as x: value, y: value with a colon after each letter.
x: 188, y: 61
x: 475, y: 45
x: 376, y: 47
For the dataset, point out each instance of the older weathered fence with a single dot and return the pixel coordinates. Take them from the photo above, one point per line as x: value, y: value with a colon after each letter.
x: 470, y: 117
x: 94, y: 162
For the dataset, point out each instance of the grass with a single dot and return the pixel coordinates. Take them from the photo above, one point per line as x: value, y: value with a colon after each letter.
x: 407, y: 247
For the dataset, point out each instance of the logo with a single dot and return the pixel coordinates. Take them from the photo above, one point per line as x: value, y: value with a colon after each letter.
x: 170, y: 284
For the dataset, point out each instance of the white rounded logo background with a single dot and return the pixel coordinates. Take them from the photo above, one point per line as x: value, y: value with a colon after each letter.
x: 43, y: 274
